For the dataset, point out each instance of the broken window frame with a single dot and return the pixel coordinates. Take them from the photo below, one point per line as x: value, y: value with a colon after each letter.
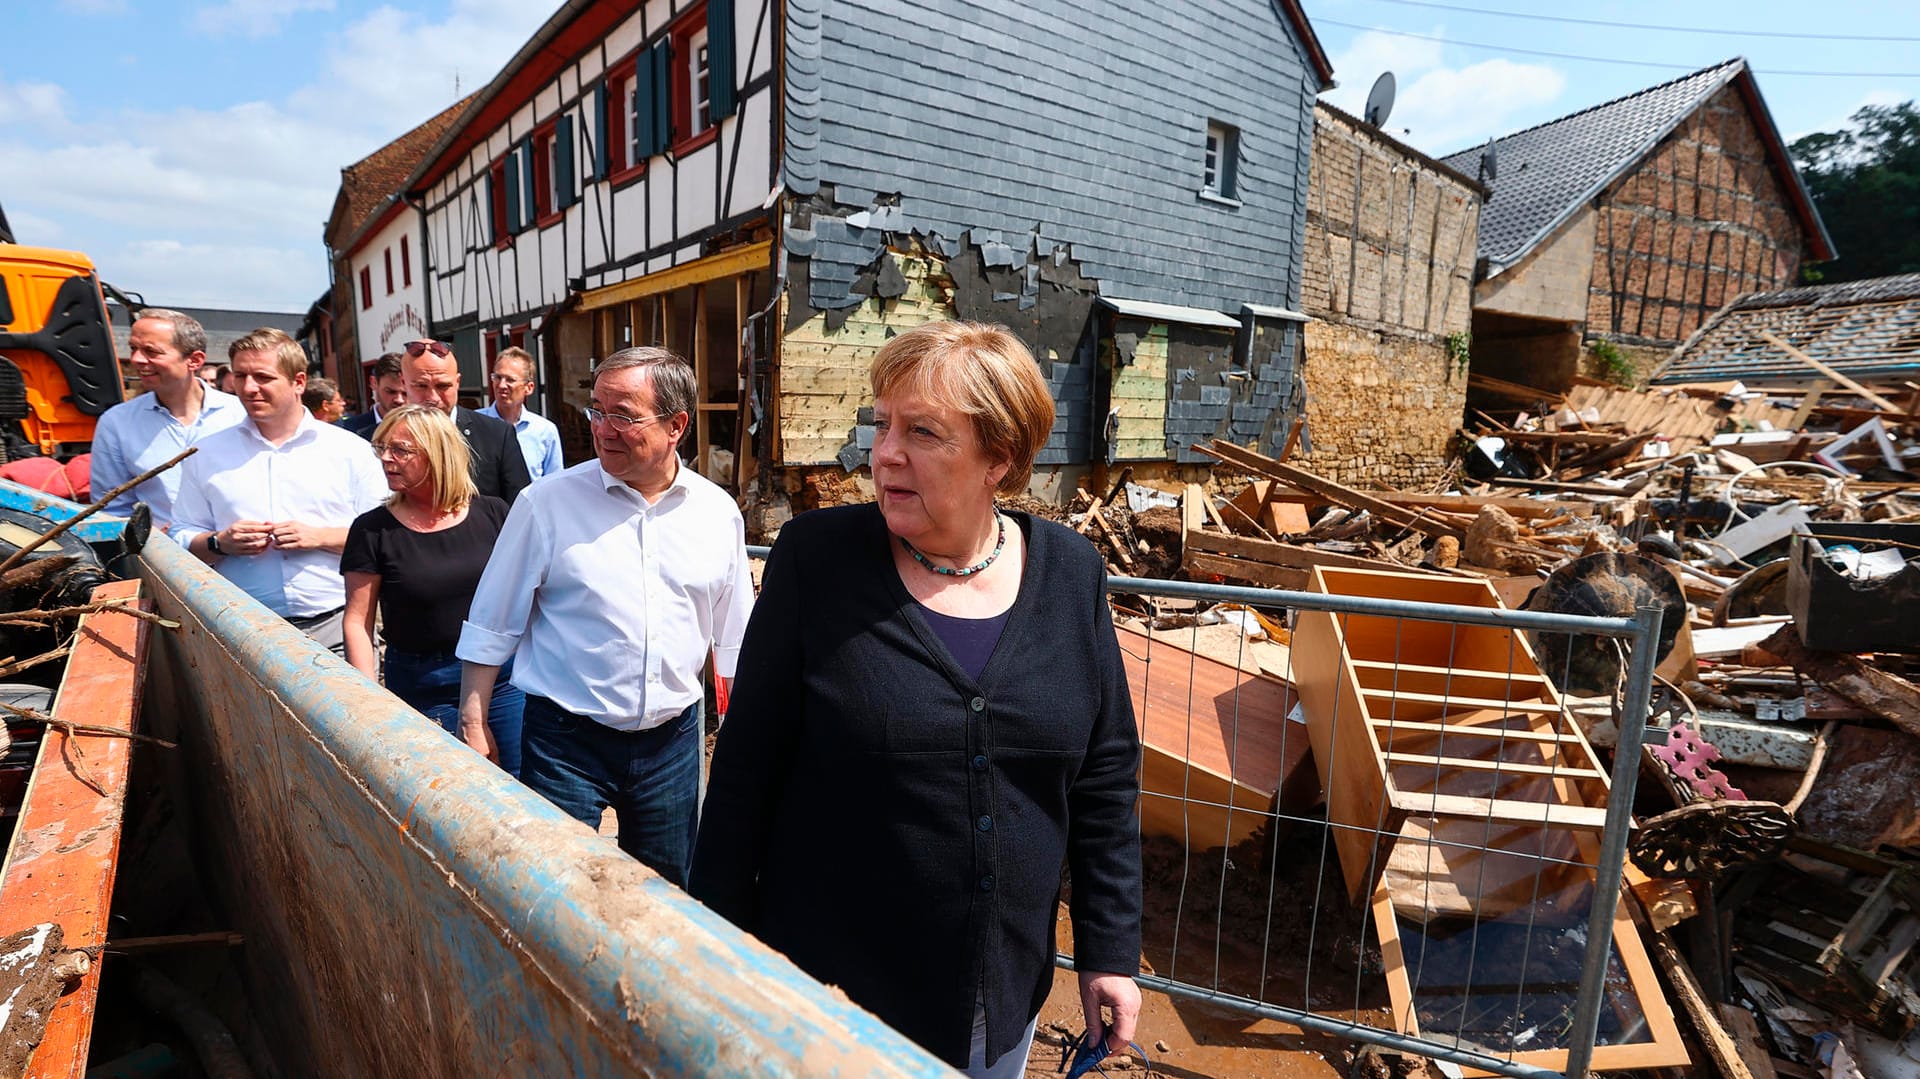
x: 1220, y: 162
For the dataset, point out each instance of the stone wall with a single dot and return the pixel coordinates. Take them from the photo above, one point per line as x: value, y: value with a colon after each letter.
x: 1701, y: 221
x: 1388, y: 274
x: 1391, y: 405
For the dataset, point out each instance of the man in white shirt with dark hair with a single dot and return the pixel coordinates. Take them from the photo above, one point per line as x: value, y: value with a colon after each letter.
x: 179, y: 409
x: 608, y: 586
x: 268, y: 502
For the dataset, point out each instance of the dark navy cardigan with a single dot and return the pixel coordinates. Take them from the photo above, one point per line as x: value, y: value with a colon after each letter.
x: 898, y: 829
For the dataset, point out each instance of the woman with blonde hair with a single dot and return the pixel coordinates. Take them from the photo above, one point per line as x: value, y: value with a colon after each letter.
x: 417, y: 560
x: 930, y: 718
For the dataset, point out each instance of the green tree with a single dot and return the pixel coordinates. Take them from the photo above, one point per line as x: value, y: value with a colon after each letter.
x: 1865, y: 181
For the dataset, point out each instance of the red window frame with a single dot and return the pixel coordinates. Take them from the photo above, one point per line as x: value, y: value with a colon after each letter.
x: 546, y: 210
x: 366, y: 287
x: 620, y: 82
x: 502, y: 235
x: 683, y: 31
x: 388, y: 256
x: 406, y: 264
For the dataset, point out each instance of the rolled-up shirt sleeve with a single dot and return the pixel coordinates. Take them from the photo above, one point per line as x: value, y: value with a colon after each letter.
x: 733, y: 605
x: 502, y: 605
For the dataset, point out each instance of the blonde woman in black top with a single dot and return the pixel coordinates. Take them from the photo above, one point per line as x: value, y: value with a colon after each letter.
x: 418, y: 559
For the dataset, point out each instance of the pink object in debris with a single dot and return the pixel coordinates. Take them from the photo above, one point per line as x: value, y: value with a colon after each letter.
x: 1691, y: 758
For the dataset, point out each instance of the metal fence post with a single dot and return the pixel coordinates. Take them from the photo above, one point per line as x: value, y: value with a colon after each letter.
x: 1613, y: 841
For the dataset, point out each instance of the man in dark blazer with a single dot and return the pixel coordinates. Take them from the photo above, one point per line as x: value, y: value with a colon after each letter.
x: 389, y: 392
x: 433, y: 378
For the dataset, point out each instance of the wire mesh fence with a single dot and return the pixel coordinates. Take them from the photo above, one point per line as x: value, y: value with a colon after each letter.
x: 1385, y: 825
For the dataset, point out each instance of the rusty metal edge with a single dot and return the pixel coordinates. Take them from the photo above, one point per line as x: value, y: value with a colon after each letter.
x: 686, y: 991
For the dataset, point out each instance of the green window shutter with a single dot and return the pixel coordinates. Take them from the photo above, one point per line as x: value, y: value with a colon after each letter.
x: 662, y: 75
x: 644, y: 139
x: 564, y: 158
x: 528, y: 182
x: 493, y: 225
x: 721, y: 78
x: 513, y: 192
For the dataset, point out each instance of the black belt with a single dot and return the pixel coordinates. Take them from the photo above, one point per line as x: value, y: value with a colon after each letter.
x: 314, y: 619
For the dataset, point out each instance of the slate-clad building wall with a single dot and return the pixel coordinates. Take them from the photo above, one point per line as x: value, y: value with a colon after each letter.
x: 1047, y: 151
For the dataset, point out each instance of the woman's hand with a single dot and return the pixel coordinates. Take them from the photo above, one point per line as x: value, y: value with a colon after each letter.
x: 1115, y: 991
x: 477, y: 735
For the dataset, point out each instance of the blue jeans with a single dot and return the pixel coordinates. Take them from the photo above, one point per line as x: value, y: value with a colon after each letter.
x: 651, y: 778
x: 430, y: 682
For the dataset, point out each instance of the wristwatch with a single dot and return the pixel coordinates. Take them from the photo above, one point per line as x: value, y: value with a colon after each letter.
x: 213, y: 544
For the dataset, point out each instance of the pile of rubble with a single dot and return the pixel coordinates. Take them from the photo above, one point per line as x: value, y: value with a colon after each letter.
x: 1777, y: 885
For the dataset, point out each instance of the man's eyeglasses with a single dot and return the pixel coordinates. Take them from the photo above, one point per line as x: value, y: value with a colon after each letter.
x: 619, y: 422
x: 507, y: 380
x: 438, y: 348
x: 399, y: 451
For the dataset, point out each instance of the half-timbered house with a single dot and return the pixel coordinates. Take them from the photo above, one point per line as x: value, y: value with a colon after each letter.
x: 774, y: 187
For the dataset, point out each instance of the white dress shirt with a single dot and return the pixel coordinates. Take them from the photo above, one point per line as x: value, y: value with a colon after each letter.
x: 607, y: 605
x: 322, y: 476
x: 136, y: 435
x: 539, y: 440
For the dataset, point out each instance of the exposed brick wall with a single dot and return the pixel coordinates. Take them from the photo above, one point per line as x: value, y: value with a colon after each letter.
x: 1701, y: 221
x: 1387, y: 275
x: 1381, y: 407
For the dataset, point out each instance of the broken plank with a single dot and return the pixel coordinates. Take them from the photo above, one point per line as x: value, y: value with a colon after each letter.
x: 1274, y: 553
x: 1261, y: 573
x: 1722, y: 1051
x: 1337, y: 493
x: 1881, y: 692
x: 1850, y: 385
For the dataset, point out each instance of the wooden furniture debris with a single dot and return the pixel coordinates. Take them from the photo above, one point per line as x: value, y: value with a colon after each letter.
x: 1340, y: 495
x: 1264, y: 562
x: 1411, y: 717
x: 1215, y: 736
x: 61, y: 865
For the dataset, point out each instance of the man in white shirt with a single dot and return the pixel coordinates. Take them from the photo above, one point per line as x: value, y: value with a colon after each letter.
x: 511, y: 385
x: 268, y: 502
x: 608, y: 586
x: 178, y: 410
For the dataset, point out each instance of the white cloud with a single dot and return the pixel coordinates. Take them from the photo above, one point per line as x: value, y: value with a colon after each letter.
x: 1440, y: 108
x: 224, y: 207
x: 252, y: 18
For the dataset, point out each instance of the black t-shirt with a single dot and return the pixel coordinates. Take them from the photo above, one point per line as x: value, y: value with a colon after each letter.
x: 427, y: 579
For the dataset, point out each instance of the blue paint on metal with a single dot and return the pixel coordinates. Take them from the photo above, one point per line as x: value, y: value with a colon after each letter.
x: 98, y: 528
x: 434, y: 907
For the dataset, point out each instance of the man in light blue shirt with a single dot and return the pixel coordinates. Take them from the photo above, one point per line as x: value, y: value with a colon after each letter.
x: 512, y: 384
x: 177, y: 411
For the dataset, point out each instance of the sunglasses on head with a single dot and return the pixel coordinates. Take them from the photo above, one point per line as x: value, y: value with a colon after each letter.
x: 415, y: 348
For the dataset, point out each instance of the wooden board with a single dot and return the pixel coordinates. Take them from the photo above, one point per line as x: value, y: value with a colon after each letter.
x: 66, y: 846
x: 1217, y: 752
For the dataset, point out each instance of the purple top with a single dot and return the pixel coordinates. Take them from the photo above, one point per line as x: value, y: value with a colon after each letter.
x: 970, y: 640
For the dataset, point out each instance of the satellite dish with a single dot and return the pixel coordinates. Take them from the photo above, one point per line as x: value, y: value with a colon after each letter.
x: 1379, y: 100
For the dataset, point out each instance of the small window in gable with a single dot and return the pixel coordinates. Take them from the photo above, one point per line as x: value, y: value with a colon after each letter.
x: 388, y: 256
x: 366, y: 287
x: 1220, y: 164
x: 406, y: 264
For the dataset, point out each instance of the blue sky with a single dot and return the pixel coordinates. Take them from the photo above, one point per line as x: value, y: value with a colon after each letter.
x: 193, y: 147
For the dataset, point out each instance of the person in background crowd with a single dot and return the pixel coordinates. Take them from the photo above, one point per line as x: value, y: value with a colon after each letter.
x: 609, y: 585
x: 267, y: 502
x: 433, y: 378
x: 208, y: 375
x: 388, y: 388
x: 223, y: 378
x: 178, y: 410
x: 512, y: 384
x: 417, y: 560
x: 931, y: 717
x: 322, y: 398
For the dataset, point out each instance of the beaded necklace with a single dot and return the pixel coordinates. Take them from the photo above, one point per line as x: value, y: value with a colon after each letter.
x: 968, y: 571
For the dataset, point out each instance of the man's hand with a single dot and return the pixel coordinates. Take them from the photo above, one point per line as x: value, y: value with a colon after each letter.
x: 299, y: 536
x: 245, y: 537
x: 1117, y: 992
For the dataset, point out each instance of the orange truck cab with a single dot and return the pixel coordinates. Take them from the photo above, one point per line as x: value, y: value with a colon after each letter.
x: 58, y: 366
